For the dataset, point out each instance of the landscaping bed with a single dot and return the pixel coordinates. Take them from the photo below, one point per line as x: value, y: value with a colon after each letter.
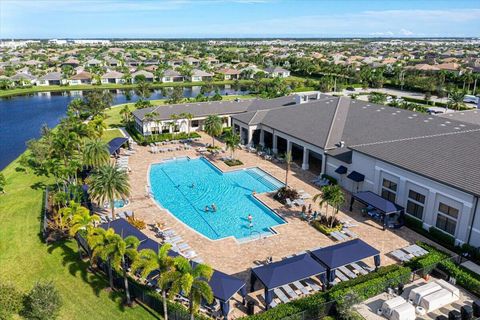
x: 233, y: 162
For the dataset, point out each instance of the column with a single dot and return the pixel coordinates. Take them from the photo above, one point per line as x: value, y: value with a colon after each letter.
x: 262, y: 138
x: 229, y: 121
x: 306, y: 154
x: 274, y: 144
x: 289, y: 146
x: 324, y: 164
x: 250, y: 136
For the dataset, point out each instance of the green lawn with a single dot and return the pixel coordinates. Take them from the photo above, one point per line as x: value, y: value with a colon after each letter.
x: 110, y: 134
x: 24, y: 259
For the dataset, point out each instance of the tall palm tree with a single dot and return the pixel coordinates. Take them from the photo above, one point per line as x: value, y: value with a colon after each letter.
x: 232, y: 140
x: 95, y: 153
x: 192, y: 280
x: 148, y: 261
x: 108, y: 183
x: 116, y: 251
x: 98, y: 239
x: 331, y: 196
x: 126, y: 114
x: 213, y: 127
x: 81, y: 223
x: 288, y: 162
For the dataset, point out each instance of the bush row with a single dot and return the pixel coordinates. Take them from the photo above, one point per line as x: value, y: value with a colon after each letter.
x: 316, y: 306
x: 465, y: 278
x: 427, y: 262
x: 433, y: 233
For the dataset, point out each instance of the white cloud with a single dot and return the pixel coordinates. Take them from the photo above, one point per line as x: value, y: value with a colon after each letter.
x: 405, y: 32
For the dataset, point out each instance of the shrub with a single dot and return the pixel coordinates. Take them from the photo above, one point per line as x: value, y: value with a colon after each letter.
x: 233, y: 162
x: 442, y: 237
x: 464, y: 277
x: 10, y: 301
x: 331, y: 179
x: 323, y: 227
x: 427, y: 262
x: 284, y: 193
x: 414, y: 223
x: 43, y: 302
x: 137, y: 223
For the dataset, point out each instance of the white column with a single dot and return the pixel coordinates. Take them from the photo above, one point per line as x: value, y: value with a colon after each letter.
x: 324, y: 164
x: 229, y: 121
x: 262, y: 138
x: 274, y: 144
x: 289, y: 146
x: 306, y: 153
x: 250, y: 136
x: 430, y: 210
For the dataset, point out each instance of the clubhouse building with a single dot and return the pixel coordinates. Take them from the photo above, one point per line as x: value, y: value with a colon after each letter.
x: 427, y: 164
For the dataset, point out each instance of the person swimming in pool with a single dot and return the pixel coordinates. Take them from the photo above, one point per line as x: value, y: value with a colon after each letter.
x: 193, y: 185
x: 250, y: 218
x: 207, y: 209
x: 214, y: 207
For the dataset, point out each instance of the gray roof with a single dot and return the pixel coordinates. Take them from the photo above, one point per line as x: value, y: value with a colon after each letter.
x: 22, y: 76
x: 112, y: 75
x: 142, y: 72
x: 200, y: 73
x: 469, y: 116
x: 450, y: 158
x: 52, y: 76
x: 276, y: 69
x: 171, y: 73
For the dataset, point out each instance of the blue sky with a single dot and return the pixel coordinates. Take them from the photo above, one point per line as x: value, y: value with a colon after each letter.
x: 238, y: 18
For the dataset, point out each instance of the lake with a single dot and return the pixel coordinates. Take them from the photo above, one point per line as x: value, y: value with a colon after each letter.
x: 21, y: 117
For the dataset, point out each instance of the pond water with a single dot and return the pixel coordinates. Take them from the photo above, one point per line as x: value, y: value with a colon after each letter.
x: 21, y: 117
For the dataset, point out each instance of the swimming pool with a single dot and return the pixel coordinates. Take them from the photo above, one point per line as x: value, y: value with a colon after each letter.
x: 186, y: 186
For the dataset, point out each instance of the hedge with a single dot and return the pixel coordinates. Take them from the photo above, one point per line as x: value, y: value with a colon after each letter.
x: 366, y: 286
x: 465, y: 278
x: 325, y: 229
x: 427, y: 262
x: 433, y: 233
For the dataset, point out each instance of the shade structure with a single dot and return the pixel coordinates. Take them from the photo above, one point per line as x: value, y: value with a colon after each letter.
x: 374, y: 200
x: 344, y: 253
x: 155, y: 246
x: 285, y: 272
x: 116, y: 144
x: 341, y: 170
x: 125, y: 229
x: 356, y: 176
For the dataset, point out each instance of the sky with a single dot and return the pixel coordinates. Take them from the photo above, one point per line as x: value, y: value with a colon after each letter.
x: 29, y: 19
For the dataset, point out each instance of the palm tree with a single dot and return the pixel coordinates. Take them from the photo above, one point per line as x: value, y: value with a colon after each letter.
x: 213, y: 127
x: 97, y: 125
x: 455, y: 99
x: 95, y: 153
x: 333, y: 196
x: 125, y: 113
x: 81, y: 222
x: 108, y: 183
x: 150, y: 116
x: 98, y: 239
x: 189, y: 117
x: 193, y: 281
x: 232, y: 140
x: 116, y: 251
x: 148, y: 261
x: 288, y: 161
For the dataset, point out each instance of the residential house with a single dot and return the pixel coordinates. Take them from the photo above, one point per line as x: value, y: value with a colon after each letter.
x: 279, y: 72
x: 199, y: 75
x: 51, y: 79
x: 172, y: 76
x: 80, y: 78
x: 112, y: 77
x: 149, y: 77
x: 192, y: 61
x: 94, y: 63
x: 23, y: 79
x: 229, y: 74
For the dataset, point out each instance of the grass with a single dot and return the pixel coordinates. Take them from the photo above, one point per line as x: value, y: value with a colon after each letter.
x: 25, y: 259
x: 110, y: 134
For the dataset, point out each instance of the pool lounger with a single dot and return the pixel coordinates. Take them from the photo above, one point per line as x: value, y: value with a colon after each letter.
x: 292, y: 294
x: 341, y: 276
x: 299, y: 202
x: 400, y: 255
x: 289, y: 202
x: 365, y: 266
x: 347, y: 272
x: 190, y: 254
x: 279, y: 293
x: 301, y: 287
x: 358, y: 268
x: 312, y: 285
x: 174, y: 240
x: 183, y: 246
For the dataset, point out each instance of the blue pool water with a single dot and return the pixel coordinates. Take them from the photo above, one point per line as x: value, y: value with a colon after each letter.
x: 171, y: 183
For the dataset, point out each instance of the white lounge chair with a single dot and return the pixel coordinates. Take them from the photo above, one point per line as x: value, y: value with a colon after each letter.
x: 289, y: 202
x: 347, y: 272
x: 299, y: 202
x: 290, y: 292
x: 279, y: 293
x: 340, y: 275
x: 358, y: 268
x: 400, y: 255
x: 301, y: 287
x: 312, y: 285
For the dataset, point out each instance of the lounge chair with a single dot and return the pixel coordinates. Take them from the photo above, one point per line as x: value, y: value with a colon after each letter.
x: 279, y: 293
x: 190, y: 254
x: 292, y: 294
x: 400, y: 255
x: 299, y: 202
x: 289, y: 202
x: 347, y: 272
x: 312, y: 285
x: 183, y: 246
x: 341, y: 276
x: 365, y: 266
x: 350, y: 233
x: 358, y: 268
x: 301, y: 287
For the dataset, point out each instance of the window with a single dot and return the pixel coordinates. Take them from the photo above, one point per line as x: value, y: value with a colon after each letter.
x: 389, y: 190
x: 194, y: 123
x: 415, y: 204
x: 447, y: 218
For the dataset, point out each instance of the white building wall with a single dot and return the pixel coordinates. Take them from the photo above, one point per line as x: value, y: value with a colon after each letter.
x: 375, y: 171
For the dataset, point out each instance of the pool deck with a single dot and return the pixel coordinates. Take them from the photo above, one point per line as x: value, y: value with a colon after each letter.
x: 233, y: 257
